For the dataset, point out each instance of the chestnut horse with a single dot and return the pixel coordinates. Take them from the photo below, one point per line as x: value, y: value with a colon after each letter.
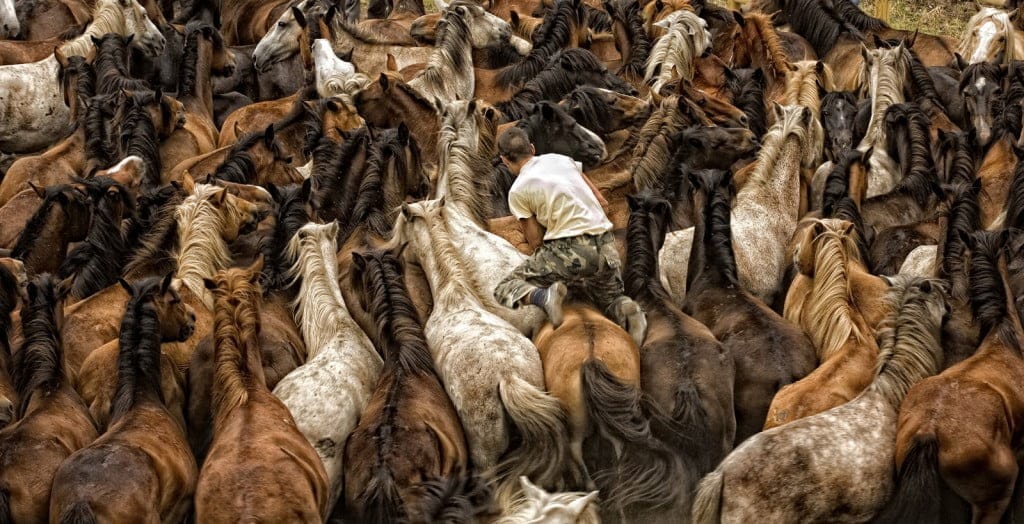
x: 11, y: 298
x: 143, y: 456
x: 53, y: 421
x: 259, y: 466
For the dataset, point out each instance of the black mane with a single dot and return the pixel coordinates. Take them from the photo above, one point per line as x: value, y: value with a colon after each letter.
x: 138, y: 361
x: 38, y: 365
x: 551, y: 36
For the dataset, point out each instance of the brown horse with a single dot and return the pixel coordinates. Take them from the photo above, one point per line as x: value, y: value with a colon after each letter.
x: 61, y: 219
x: 260, y: 466
x: 246, y: 21
x: 961, y: 428
x: 769, y: 352
x: 153, y: 472
x: 409, y: 437
x: 828, y: 309
x: 46, y: 19
x: 389, y: 102
x: 11, y: 298
x: 257, y: 158
x: 53, y: 422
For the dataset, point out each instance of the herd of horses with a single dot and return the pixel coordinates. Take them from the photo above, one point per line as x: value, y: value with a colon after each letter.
x: 249, y: 249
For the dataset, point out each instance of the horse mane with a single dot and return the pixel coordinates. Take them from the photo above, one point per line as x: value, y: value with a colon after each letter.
x: 289, y: 217
x: 717, y: 238
x: 554, y: 34
x: 36, y: 225
x: 1014, y: 209
x: 597, y: 20
x: 962, y: 219
x: 85, y: 85
x: 775, y: 59
x: 821, y: 27
x: 451, y: 53
x: 1010, y: 117
x: 157, y: 233
x: 111, y: 65
x: 464, y: 166
x: 923, y: 83
x: 830, y: 321
x: 99, y: 149
x: 889, y: 90
x: 560, y: 75
x: 908, y: 341
x: 772, y: 145
x: 655, y: 144
x: 107, y: 17
x: 640, y: 41
x: 919, y: 176
x: 96, y: 262
x: 38, y: 365
x: 236, y: 329
x: 368, y: 206
x: 648, y: 218
x: 190, y: 53
x: 852, y: 14
x: 997, y: 15
x: 201, y: 250
x: 750, y: 100
x: 238, y: 165
x: 987, y: 293
x: 802, y: 84
x: 138, y: 134
x: 675, y: 50
x: 333, y: 175
x: 138, y: 359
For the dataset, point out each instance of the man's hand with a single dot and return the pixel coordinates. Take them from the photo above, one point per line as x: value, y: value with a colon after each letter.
x: 533, y: 231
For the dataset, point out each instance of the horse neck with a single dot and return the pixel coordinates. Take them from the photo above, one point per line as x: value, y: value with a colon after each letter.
x: 238, y: 367
x: 108, y: 19
x: 320, y: 309
x: 198, y: 91
x: 457, y: 180
x: 641, y: 272
x: 888, y: 93
x: 900, y: 364
x: 452, y: 283
x: 421, y: 119
x: 41, y: 357
x: 138, y: 360
x: 202, y: 251
x: 48, y: 250
x: 765, y: 50
x: 449, y: 68
x: 775, y: 181
x: 712, y: 262
x: 405, y: 345
x: 830, y: 318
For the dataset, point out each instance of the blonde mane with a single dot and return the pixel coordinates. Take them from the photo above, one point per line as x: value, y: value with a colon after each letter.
x: 107, y: 17
x: 463, y: 162
x: 776, y: 62
x: 236, y: 335
x: 1001, y: 18
x: 686, y: 37
x: 804, y: 84
x: 772, y: 146
x: 320, y: 309
x: 908, y: 337
x: 201, y: 249
x: 885, y: 87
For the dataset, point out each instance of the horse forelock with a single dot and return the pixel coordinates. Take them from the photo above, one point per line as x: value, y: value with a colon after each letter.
x: 676, y: 49
x: 1003, y: 27
x: 201, y: 249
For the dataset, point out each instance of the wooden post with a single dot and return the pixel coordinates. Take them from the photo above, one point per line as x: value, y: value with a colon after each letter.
x: 882, y: 10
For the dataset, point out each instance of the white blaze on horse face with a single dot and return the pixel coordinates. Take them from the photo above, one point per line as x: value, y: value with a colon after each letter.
x: 986, y: 37
x: 9, y: 26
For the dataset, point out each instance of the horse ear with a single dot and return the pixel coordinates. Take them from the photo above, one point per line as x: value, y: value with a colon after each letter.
x: 392, y: 64
x: 913, y: 39
x: 128, y: 40
x: 358, y: 260
x: 209, y: 284
x: 256, y: 268
x: 547, y: 111
x: 165, y: 284
x: 878, y: 41
x: 299, y: 17
x: 865, y: 53
x: 348, y: 55
x: 61, y: 59
x: 221, y: 197
x: 776, y: 110
x: 63, y: 288
x: 806, y: 116
x: 471, y: 107
x: 513, y: 17
x: 95, y: 41
x: 406, y: 211
x: 578, y: 506
x: 866, y: 157
x: 632, y: 202
x: 384, y: 82
x: 268, y: 136
x: 489, y: 113
x: 659, y: 5
x: 738, y: 17
x: 124, y: 284
x: 959, y: 62
x: 39, y: 190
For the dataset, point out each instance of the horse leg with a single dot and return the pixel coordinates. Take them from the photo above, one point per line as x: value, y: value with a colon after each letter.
x: 984, y: 475
x: 576, y: 449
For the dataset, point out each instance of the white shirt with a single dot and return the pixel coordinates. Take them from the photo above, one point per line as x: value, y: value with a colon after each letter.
x: 551, y: 187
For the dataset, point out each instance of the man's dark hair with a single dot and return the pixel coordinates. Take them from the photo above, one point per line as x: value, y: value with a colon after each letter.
x: 514, y: 144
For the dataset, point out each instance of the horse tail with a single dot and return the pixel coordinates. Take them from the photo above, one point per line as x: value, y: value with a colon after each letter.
x: 918, y: 484
x: 687, y: 429
x: 542, y: 427
x: 5, y: 507
x: 648, y: 471
x: 707, y: 506
x: 461, y: 498
x: 380, y: 501
x: 79, y: 513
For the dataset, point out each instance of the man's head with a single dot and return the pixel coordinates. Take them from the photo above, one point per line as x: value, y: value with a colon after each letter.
x: 515, y: 148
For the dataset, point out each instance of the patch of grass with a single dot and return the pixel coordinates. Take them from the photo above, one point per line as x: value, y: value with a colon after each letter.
x: 937, y: 17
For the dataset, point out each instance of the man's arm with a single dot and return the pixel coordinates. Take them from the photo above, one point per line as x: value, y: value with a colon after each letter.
x: 533, y: 231
x: 597, y: 192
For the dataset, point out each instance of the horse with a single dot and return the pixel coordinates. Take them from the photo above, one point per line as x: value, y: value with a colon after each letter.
x: 552, y: 130
x: 410, y: 434
x: 239, y: 467
x: 838, y: 115
x: 155, y: 471
x: 679, y: 355
x: 934, y: 449
x: 142, y: 120
x: 852, y: 478
x: 12, y: 278
x: 885, y: 72
x: 33, y: 112
x: 768, y: 352
x: 673, y: 54
x: 829, y: 310
x: 63, y: 217
x: 990, y: 36
x: 389, y: 102
x: 53, y: 422
x: 327, y: 394
x: 509, y: 382
x: 564, y: 26
x: 43, y: 20
x: 538, y: 505
x: 257, y: 158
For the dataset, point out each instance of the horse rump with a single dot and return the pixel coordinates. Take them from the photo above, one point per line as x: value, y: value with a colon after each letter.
x: 542, y: 454
x: 648, y: 472
x: 917, y: 485
x: 78, y: 513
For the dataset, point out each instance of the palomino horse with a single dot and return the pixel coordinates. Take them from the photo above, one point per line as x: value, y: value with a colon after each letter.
x: 769, y: 352
x: 259, y: 466
x: 959, y: 428
x: 410, y: 434
x: 538, y: 505
x: 53, y: 421
x: 772, y: 477
x: 33, y: 111
x: 882, y: 79
x: 673, y: 54
x: 509, y: 380
x: 154, y: 473
x: 829, y: 309
x: 990, y: 36
x: 327, y: 394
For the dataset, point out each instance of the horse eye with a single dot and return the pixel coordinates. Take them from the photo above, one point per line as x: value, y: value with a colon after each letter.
x: 282, y: 24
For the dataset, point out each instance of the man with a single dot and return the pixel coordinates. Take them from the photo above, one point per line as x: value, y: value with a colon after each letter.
x: 575, y: 248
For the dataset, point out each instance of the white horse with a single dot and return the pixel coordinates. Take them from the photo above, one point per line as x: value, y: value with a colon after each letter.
x: 885, y: 71
x: 835, y: 466
x: 9, y: 26
x: 32, y: 110
x: 334, y: 76
x: 766, y: 211
x: 328, y: 393
x: 464, y: 164
x: 686, y: 38
x: 487, y: 366
x: 539, y: 506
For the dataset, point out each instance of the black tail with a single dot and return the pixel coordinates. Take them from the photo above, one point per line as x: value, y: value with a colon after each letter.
x: 79, y: 513
x: 647, y: 472
x: 5, y: 508
x: 464, y: 498
x: 687, y: 429
x: 380, y: 501
x: 918, y: 485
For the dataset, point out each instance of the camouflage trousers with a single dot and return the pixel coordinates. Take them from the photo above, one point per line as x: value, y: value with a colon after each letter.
x: 588, y: 265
